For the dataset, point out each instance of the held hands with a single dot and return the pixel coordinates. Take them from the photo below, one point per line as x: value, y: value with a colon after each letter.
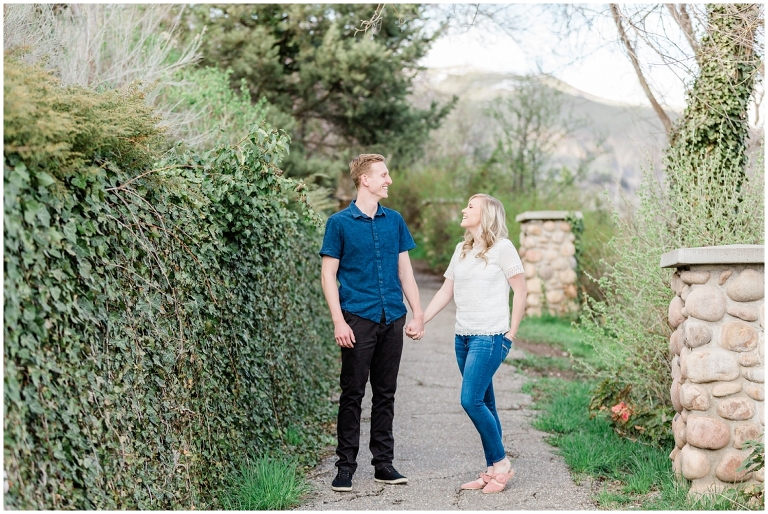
x: 415, y: 329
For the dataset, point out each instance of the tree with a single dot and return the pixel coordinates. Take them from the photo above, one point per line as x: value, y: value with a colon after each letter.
x: 648, y: 34
x: 710, y: 141
x: 712, y: 197
x: 632, y: 54
x: 531, y: 125
x: 670, y: 33
x: 346, y: 90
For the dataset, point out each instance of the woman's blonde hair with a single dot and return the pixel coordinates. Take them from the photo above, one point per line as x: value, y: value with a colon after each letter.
x: 493, y: 226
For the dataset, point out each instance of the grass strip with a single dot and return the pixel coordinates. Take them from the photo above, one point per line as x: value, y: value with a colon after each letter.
x: 557, y: 332
x: 542, y: 363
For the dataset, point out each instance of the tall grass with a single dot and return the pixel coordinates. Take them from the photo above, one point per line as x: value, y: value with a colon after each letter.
x: 100, y: 45
x: 265, y: 484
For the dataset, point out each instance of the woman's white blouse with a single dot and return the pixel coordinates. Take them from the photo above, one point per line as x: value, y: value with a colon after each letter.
x: 481, y: 290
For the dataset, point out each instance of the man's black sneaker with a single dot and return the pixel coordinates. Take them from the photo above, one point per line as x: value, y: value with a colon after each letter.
x: 343, y: 480
x: 389, y: 475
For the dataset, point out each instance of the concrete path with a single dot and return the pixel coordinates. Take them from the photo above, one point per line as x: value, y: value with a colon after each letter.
x: 438, y: 448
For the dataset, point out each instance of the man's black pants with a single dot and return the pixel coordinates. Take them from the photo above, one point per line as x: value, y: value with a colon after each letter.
x: 377, y: 350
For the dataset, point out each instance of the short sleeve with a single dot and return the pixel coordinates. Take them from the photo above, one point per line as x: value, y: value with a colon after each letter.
x: 406, y: 240
x: 509, y: 260
x: 333, y: 242
x: 450, y: 272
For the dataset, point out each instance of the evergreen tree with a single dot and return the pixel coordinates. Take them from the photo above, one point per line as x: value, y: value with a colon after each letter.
x: 346, y: 90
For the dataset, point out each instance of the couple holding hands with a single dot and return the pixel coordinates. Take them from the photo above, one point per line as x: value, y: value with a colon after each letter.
x: 365, y: 249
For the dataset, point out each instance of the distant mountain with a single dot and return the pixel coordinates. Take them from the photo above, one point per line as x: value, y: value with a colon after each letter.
x: 633, y: 135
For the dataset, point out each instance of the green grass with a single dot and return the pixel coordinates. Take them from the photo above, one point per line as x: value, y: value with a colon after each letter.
x: 560, y: 334
x: 265, y: 484
x: 557, y: 332
x: 542, y: 363
x: 631, y: 474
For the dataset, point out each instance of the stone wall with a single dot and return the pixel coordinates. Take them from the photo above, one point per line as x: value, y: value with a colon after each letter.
x: 547, y: 251
x: 718, y: 362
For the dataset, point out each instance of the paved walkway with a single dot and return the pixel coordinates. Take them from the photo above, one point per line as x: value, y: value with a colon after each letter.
x: 438, y: 448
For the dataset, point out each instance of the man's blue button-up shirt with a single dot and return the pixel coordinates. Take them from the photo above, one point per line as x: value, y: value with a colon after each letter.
x: 368, y: 250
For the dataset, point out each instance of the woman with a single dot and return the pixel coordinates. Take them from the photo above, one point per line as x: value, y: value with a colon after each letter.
x: 482, y: 269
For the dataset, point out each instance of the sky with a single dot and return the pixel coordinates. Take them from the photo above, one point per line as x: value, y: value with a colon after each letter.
x: 595, y: 67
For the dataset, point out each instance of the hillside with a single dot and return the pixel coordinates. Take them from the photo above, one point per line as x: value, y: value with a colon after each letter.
x: 633, y: 136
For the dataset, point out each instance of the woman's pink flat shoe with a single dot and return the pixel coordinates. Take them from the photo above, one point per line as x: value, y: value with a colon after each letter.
x: 498, y: 482
x: 479, y: 483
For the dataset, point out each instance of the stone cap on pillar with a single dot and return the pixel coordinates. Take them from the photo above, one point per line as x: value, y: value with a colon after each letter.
x: 725, y: 254
x: 545, y: 215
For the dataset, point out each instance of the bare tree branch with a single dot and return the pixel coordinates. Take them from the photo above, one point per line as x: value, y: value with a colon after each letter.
x: 638, y: 70
x: 374, y: 22
x: 660, y: 44
x: 684, y: 21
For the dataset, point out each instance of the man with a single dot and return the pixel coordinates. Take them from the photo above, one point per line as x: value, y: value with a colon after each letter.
x: 366, y: 248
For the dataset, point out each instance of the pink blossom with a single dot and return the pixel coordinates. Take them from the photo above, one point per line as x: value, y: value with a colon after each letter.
x: 621, y: 411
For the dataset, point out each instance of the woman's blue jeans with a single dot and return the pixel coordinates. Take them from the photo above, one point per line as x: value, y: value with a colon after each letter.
x: 479, y: 357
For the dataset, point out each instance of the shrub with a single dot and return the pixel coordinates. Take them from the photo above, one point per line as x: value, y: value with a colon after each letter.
x: 62, y: 130
x: 214, y: 113
x: 100, y: 45
x: 709, y: 197
x: 629, y: 329
x: 155, y: 328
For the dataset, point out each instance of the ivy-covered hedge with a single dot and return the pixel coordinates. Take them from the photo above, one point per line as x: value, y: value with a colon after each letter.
x: 163, y: 313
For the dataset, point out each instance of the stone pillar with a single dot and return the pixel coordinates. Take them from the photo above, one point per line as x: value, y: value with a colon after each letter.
x: 718, y: 362
x: 547, y: 251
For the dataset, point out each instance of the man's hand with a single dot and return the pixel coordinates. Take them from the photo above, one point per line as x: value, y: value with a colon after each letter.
x: 415, y: 329
x: 344, y: 335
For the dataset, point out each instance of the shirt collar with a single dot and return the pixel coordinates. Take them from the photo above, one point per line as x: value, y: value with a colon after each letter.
x: 357, y: 213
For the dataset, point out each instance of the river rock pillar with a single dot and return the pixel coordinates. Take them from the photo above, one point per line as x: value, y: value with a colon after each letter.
x: 718, y: 362
x: 548, y: 254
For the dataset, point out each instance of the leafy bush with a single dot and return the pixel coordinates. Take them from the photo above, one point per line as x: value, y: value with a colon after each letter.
x: 629, y: 329
x: 162, y: 310
x: 754, y: 462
